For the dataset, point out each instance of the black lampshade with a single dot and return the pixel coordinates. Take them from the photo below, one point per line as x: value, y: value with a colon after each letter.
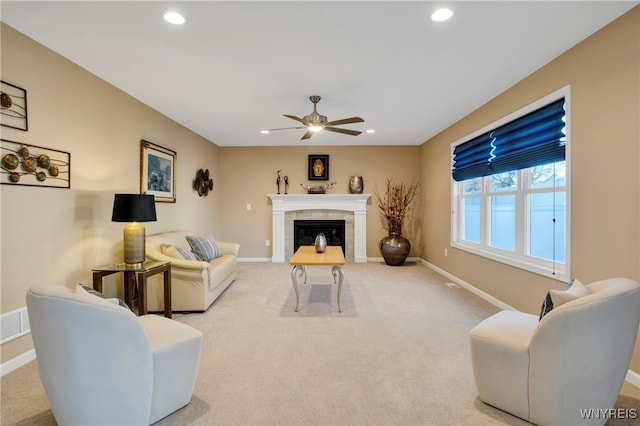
x: 134, y: 208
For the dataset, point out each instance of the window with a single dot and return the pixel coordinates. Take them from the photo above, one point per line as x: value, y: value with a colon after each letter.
x: 510, y: 189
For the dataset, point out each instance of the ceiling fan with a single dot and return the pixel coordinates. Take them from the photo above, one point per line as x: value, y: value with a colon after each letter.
x: 315, y: 122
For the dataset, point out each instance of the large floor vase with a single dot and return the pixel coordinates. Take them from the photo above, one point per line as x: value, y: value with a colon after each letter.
x: 395, y: 249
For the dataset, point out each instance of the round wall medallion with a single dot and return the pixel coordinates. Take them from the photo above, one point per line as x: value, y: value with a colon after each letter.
x: 10, y: 161
x: 203, y: 183
x: 30, y: 164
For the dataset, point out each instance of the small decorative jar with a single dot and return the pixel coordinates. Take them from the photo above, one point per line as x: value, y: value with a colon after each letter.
x: 356, y: 186
x: 321, y: 243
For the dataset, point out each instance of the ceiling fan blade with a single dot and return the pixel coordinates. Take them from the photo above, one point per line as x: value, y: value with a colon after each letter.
x: 307, y: 135
x: 345, y: 121
x: 293, y: 117
x: 345, y: 131
x: 288, y: 128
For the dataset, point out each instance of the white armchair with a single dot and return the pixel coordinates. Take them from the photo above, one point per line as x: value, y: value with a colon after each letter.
x: 552, y: 371
x: 99, y: 364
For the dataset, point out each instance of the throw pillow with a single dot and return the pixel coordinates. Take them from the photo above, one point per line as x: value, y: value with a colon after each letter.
x: 177, y: 252
x: 204, y: 247
x: 86, y: 290
x: 573, y: 290
x: 547, y: 306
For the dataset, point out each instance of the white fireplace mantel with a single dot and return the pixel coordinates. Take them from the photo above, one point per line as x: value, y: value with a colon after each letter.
x: 356, y: 203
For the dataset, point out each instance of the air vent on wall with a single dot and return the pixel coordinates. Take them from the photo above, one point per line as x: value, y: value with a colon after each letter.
x: 14, y: 324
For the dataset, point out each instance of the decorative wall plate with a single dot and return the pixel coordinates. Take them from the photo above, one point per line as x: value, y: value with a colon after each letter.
x: 203, y: 183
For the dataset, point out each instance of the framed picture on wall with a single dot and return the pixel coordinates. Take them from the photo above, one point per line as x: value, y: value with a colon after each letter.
x: 13, y: 100
x: 318, y: 167
x: 157, y: 172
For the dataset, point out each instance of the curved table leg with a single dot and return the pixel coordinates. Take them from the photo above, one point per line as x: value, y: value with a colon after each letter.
x: 337, y: 269
x: 299, y: 270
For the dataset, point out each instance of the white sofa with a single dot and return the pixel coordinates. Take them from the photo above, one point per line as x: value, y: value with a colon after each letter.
x: 575, y: 359
x: 100, y: 364
x: 195, y: 284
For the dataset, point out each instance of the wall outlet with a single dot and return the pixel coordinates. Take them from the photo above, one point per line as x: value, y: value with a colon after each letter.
x: 446, y: 252
x: 248, y: 206
x: 267, y: 243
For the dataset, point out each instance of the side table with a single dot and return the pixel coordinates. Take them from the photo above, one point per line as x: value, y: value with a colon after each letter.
x: 139, y: 275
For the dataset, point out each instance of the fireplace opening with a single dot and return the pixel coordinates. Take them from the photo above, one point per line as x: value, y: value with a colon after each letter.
x: 305, y: 231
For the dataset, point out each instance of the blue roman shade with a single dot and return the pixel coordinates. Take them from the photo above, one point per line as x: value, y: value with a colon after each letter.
x: 531, y: 140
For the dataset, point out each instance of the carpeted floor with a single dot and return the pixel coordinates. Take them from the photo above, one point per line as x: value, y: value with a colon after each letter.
x: 398, y: 354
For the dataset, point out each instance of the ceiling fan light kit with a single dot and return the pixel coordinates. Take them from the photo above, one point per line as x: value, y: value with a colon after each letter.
x: 315, y: 122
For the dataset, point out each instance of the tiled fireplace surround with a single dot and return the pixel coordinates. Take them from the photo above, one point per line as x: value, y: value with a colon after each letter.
x: 352, y: 208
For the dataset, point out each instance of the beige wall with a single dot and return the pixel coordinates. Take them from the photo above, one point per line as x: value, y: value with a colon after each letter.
x: 250, y: 174
x: 52, y: 235
x: 604, y: 74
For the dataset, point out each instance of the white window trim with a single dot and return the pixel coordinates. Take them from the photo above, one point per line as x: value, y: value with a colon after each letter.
x: 559, y: 271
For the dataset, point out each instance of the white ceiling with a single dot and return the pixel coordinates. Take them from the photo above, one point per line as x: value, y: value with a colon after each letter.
x: 236, y: 66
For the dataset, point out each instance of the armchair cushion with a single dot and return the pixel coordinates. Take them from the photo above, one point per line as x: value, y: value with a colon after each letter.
x: 204, y: 247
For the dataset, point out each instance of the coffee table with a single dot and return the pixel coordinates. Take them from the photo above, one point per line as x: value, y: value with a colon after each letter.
x: 307, y: 256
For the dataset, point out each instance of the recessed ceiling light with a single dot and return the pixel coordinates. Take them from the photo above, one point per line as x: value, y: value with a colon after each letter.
x: 174, y: 18
x: 264, y: 132
x: 371, y: 131
x: 441, y: 14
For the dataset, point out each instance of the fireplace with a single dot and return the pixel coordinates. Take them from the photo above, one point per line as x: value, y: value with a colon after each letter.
x: 352, y: 208
x: 305, y: 231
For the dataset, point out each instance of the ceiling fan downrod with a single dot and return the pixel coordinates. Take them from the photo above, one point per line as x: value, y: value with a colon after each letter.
x: 314, y: 120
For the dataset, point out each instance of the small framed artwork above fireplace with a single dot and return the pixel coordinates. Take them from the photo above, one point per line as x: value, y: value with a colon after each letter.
x: 318, y: 167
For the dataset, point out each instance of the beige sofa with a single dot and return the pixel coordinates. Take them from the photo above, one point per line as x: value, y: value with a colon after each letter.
x: 195, y: 284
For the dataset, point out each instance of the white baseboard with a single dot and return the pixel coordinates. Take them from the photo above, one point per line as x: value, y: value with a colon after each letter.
x: 633, y: 378
x: 17, y: 362
x: 486, y: 296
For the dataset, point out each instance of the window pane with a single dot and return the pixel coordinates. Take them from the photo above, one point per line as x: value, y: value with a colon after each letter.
x: 507, y: 181
x: 546, y: 235
x: 472, y: 219
x: 503, y: 222
x: 548, y: 175
x: 472, y: 186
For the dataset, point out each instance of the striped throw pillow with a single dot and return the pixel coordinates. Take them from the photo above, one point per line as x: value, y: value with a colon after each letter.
x: 204, y: 247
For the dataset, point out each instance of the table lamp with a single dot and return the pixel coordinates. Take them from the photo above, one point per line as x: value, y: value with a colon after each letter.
x: 134, y: 208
